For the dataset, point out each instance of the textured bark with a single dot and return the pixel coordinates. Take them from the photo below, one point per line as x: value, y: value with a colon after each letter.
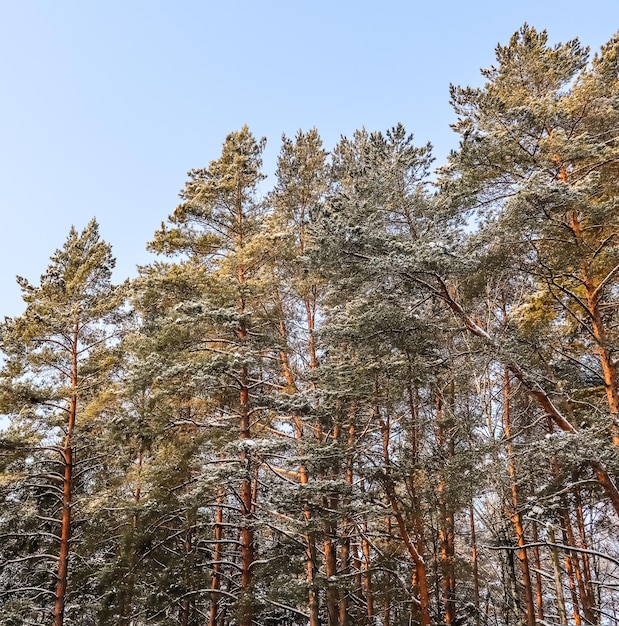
x: 516, y: 516
x: 331, y: 503
x: 388, y: 577
x: 415, y: 551
x: 571, y: 566
x: 539, y: 589
x: 347, y: 524
x: 598, y: 328
x: 247, y: 531
x: 475, y: 566
x: 447, y: 522
x: 601, y: 473
x: 216, y: 578
x: 67, y: 489
x: 556, y: 568
x: 367, y: 575
x: 588, y: 595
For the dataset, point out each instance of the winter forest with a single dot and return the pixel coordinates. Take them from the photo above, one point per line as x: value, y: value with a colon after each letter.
x: 373, y: 392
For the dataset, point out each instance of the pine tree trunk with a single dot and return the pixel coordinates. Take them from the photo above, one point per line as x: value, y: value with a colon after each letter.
x: 127, y: 601
x: 609, y: 367
x: 309, y: 302
x: 512, y: 601
x: 415, y: 551
x: 344, y: 569
x: 330, y: 504
x: 556, y: 568
x: 330, y: 531
x: 310, y: 311
x: 388, y: 576
x: 367, y: 576
x: 358, y: 592
x: 475, y: 566
x: 601, y: 473
x: 247, y: 531
x: 570, y: 567
x: 515, y: 514
x: 446, y: 529
x: 311, y: 556
x: 579, y: 572
x: 311, y: 563
x: 216, y: 578
x: 67, y: 490
x: 539, y: 589
x: 347, y: 526
x: 591, y: 615
x: 310, y: 541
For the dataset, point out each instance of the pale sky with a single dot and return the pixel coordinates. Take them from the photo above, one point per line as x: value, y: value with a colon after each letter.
x: 105, y: 105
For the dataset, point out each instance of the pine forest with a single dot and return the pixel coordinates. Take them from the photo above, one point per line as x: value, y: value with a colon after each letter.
x: 370, y: 392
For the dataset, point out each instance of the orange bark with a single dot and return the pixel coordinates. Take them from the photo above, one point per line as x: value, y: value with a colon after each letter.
x: 598, y: 328
x: 447, y: 523
x: 539, y: 590
x: 247, y: 531
x: 216, y: 578
x: 415, y: 549
x: 67, y: 489
x: 588, y: 596
x: 601, y: 473
x: 475, y: 565
x: 516, y: 516
x: 571, y: 567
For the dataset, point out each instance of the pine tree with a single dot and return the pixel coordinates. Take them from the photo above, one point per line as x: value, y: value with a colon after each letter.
x: 58, y: 358
x: 377, y: 212
x: 534, y: 159
x: 302, y: 181
x: 227, y: 334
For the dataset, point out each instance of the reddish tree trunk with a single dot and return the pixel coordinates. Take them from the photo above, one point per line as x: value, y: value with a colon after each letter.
x: 594, y: 294
x: 539, y: 590
x: 347, y: 525
x: 216, y: 578
x: 415, y: 551
x: 601, y: 473
x: 367, y: 576
x: 475, y: 566
x: 570, y: 567
x: 247, y: 531
x: 591, y: 615
x: 67, y: 490
x: 446, y: 529
x: 515, y: 513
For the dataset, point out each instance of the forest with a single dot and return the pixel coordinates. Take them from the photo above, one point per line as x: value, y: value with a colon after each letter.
x: 370, y: 393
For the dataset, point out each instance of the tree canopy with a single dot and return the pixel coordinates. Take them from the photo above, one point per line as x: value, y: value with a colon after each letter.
x: 370, y: 394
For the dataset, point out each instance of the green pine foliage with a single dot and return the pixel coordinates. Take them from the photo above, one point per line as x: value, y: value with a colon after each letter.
x: 365, y: 395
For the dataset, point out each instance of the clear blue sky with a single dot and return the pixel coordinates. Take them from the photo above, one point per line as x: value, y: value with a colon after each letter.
x: 106, y: 105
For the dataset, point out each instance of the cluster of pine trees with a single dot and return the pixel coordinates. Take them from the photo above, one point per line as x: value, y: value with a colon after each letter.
x: 362, y: 398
